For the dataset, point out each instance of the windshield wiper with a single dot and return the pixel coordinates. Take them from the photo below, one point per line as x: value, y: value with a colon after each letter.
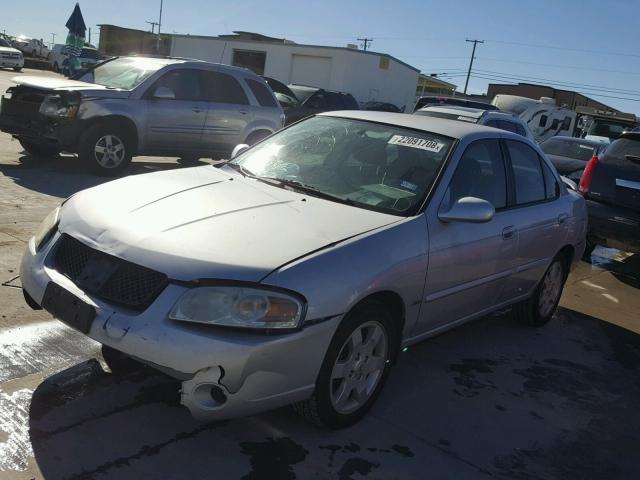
x: 239, y: 168
x: 305, y: 188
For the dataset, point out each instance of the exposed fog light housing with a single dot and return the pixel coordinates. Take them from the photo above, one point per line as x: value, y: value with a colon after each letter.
x: 47, y: 228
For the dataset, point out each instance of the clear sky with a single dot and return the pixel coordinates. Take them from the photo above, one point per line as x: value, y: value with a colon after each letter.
x: 584, y: 45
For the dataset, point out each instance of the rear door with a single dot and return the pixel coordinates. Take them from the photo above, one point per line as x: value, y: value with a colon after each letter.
x: 616, y: 179
x: 176, y: 124
x: 228, y: 112
x: 538, y: 216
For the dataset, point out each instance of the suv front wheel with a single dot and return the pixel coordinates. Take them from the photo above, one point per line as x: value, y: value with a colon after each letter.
x: 106, y: 148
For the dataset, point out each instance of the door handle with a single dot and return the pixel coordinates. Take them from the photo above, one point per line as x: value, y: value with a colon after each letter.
x: 198, y: 109
x: 562, y: 218
x: 244, y: 112
x: 508, y: 232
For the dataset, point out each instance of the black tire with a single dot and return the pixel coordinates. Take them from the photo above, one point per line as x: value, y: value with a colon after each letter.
x: 588, y: 250
x: 118, y: 362
x: 94, y: 137
x: 56, y: 68
x: 41, y: 150
x: 528, y: 312
x: 319, y: 408
x: 17, y: 69
x: 257, y: 136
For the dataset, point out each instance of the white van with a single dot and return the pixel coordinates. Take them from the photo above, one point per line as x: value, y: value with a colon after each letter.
x: 89, y: 56
x: 544, y: 118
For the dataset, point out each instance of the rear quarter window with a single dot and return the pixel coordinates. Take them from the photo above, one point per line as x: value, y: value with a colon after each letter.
x: 527, y: 173
x: 261, y: 92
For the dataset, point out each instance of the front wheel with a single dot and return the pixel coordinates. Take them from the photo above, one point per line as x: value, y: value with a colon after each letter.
x: 354, y: 369
x: 538, y: 310
x: 41, y: 150
x: 106, y: 148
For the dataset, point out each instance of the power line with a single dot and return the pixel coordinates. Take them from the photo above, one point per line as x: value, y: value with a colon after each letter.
x: 555, y: 47
x: 572, y: 67
x: 473, y: 52
x: 557, y: 82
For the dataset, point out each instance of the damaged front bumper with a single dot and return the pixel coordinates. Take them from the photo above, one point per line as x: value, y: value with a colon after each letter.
x: 225, y: 373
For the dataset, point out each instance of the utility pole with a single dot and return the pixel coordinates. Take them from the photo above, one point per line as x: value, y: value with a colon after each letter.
x: 473, y: 52
x: 159, y: 25
x: 53, y: 39
x: 365, y: 41
x: 153, y: 26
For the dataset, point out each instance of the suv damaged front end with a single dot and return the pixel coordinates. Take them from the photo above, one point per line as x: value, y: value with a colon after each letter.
x: 43, y: 116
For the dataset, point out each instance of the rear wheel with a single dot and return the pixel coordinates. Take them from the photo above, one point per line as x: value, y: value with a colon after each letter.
x: 354, y: 369
x: 42, y: 150
x: 539, y: 309
x: 106, y: 148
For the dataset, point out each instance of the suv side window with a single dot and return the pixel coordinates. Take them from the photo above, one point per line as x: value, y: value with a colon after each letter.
x: 185, y: 84
x: 261, y: 92
x: 223, y: 88
x: 481, y: 174
x: 527, y: 173
x: 491, y: 123
x: 520, y: 130
x: 507, y: 125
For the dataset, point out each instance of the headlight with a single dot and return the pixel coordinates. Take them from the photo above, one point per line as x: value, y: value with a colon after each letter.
x: 56, y: 106
x: 239, y: 307
x: 47, y: 228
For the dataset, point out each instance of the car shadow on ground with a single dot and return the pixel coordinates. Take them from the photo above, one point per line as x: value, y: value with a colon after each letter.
x: 65, y: 174
x: 490, y: 399
x: 624, y: 267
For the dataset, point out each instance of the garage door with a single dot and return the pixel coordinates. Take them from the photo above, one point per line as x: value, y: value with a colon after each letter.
x: 311, y: 70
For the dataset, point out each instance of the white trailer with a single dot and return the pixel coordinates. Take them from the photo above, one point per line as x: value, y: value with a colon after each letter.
x: 544, y: 117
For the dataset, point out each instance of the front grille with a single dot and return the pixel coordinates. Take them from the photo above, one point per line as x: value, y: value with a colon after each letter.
x: 109, y: 278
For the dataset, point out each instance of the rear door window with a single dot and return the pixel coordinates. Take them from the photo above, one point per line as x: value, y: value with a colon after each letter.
x: 223, y: 88
x: 527, y: 172
x: 261, y: 92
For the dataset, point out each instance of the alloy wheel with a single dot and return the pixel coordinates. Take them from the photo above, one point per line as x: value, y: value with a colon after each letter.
x: 358, y: 368
x: 551, y: 289
x: 109, y: 151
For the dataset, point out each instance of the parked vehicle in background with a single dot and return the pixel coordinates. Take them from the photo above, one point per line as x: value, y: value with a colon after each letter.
x: 299, y: 101
x: 10, y: 57
x: 131, y: 106
x: 31, y: 47
x: 89, y: 56
x: 611, y: 186
x: 381, y: 107
x: 453, y: 101
x: 604, y: 125
x: 570, y: 155
x: 544, y: 117
x: 489, y: 118
x: 391, y: 228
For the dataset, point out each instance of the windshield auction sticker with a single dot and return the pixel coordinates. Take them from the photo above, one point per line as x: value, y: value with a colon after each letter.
x: 414, y: 142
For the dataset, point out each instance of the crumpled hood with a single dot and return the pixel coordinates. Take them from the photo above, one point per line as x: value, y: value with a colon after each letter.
x: 209, y: 223
x: 55, y: 83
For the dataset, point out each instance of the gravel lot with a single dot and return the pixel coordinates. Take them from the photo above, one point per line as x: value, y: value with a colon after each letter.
x: 489, y: 399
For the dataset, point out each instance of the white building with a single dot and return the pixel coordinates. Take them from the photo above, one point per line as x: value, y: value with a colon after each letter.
x: 365, y: 75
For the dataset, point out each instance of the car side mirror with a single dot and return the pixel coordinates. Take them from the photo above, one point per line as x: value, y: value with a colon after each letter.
x: 468, y: 209
x: 164, y: 93
x: 239, y: 149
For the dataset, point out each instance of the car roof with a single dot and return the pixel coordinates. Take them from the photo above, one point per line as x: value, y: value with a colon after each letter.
x: 441, y: 126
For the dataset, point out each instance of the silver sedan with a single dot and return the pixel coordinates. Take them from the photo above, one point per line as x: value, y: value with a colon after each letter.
x: 296, y: 272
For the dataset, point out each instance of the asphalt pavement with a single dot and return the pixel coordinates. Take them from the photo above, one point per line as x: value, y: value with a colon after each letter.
x: 491, y: 399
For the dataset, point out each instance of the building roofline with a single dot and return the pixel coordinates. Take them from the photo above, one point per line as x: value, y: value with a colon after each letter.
x: 268, y: 42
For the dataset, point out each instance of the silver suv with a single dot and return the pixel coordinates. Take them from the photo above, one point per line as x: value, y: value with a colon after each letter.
x: 489, y: 118
x: 131, y: 106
